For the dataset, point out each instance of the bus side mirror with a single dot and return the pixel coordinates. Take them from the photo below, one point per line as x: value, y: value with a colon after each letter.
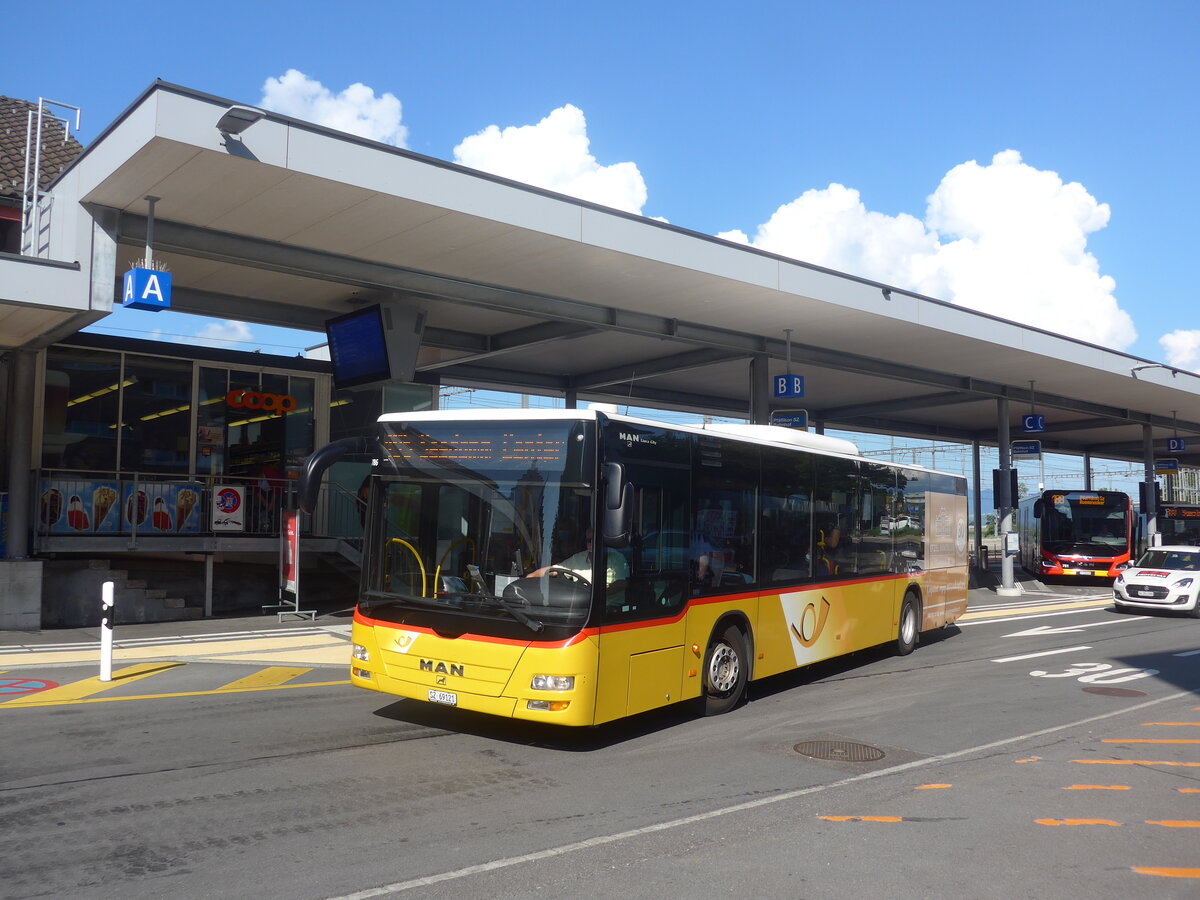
x: 1037, y: 509
x: 618, y: 506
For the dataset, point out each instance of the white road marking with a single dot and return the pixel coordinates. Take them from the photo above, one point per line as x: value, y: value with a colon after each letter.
x: 1043, y: 653
x: 1066, y: 629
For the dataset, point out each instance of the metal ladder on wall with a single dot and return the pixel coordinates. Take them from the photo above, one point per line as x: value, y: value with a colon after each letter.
x: 36, y: 203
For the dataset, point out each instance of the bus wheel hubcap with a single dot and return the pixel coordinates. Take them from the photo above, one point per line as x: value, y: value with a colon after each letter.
x: 723, y: 668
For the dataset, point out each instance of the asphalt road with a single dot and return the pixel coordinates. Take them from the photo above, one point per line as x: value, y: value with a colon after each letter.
x: 1046, y: 748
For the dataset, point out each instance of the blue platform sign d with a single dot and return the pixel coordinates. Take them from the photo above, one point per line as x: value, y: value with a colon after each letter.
x: 1033, y: 423
x: 1176, y: 445
x: 146, y: 289
x: 789, y: 385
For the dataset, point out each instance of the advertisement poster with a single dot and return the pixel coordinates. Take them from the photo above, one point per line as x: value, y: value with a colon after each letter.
x: 78, y: 507
x: 161, y: 508
x: 228, y: 508
x: 290, y: 551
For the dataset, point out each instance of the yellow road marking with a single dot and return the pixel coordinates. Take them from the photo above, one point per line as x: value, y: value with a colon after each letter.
x: 933, y: 787
x: 79, y: 689
x: 1031, y: 759
x: 1151, y: 741
x: 280, y: 687
x: 1147, y: 724
x: 862, y: 818
x: 1010, y: 612
x: 1071, y: 822
x: 1174, y: 823
x: 1167, y: 873
x: 274, y: 649
x: 1188, y: 790
x: 1134, y: 762
x: 271, y: 676
x: 1097, y: 787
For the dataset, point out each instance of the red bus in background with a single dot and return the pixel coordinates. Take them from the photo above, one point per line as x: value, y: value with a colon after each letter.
x: 1076, y: 534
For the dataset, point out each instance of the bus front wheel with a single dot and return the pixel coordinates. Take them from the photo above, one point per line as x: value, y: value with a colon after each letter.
x: 726, y: 670
x: 906, y: 639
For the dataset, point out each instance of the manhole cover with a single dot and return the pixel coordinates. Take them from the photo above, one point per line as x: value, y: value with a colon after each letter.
x: 844, y: 751
x: 1114, y: 692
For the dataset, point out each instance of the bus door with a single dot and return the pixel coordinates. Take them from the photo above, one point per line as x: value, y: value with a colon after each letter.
x: 642, y: 656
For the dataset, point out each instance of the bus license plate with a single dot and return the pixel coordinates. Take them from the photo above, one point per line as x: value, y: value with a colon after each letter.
x: 444, y: 697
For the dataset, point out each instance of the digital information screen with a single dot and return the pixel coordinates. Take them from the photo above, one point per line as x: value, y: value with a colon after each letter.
x: 358, y: 348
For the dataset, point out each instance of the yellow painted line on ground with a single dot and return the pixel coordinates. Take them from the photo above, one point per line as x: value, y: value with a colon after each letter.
x: 67, y: 693
x: 271, y: 676
x: 338, y: 655
x: 1174, y: 823
x: 933, y: 787
x: 886, y: 819
x: 1167, y: 873
x: 227, y: 649
x: 1097, y: 787
x: 279, y: 687
x: 1109, y: 823
x: 1193, y: 724
x: 1188, y: 790
x: 1011, y: 611
x: 1135, y: 762
x: 1151, y: 741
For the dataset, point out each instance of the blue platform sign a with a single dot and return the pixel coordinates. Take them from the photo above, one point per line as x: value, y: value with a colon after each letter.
x: 1033, y: 423
x: 789, y: 385
x: 146, y: 289
x: 1176, y: 445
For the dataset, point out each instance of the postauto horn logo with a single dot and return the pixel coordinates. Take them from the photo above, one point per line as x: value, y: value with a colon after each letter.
x: 272, y: 403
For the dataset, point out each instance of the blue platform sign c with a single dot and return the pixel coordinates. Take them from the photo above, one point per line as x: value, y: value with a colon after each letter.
x: 1033, y: 423
x: 146, y: 289
x: 789, y: 385
x: 1176, y: 445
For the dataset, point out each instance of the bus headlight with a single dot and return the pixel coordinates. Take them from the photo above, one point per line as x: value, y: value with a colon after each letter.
x: 360, y: 653
x: 553, y: 683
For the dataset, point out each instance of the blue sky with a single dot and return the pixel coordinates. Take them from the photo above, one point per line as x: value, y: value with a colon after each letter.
x: 1056, y: 140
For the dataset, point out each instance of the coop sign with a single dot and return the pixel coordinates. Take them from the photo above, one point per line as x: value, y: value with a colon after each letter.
x: 146, y: 289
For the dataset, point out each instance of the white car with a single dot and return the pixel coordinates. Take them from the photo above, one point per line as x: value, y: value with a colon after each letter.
x: 1163, y: 578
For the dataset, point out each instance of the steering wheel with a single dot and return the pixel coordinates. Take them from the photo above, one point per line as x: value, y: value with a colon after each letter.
x: 569, y: 575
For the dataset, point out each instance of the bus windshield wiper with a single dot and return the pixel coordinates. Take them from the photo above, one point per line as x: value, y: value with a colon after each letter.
x: 388, y: 598
x: 500, y: 602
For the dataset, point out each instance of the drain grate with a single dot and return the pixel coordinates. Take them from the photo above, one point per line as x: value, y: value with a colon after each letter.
x: 1114, y: 692
x: 843, y: 751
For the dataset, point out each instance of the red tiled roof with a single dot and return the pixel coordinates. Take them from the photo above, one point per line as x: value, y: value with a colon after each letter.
x: 56, y: 154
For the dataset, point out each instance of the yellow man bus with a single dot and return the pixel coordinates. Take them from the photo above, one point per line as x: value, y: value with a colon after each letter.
x: 578, y: 566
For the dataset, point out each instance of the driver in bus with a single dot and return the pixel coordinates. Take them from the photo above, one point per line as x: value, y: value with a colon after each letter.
x: 616, y: 568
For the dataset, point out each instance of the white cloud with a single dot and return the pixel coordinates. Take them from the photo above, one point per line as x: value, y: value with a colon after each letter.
x: 554, y: 154
x: 355, y: 110
x: 226, y: 333
x: 1182, y: 349
x: 1003, y: 238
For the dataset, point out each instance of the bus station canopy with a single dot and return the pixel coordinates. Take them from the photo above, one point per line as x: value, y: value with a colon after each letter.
x: 267, y: 219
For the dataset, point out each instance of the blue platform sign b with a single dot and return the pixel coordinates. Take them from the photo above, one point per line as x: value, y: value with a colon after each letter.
x: 146, y: 289
x: 1033, y: 423
x: 789, y: 385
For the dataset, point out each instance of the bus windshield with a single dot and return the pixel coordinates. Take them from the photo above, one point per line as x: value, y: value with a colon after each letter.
x: 466, y: 511
x: 1085, y: 524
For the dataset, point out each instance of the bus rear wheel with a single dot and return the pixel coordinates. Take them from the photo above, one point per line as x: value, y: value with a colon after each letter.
x: 910, y: 627
x: 726, y: 670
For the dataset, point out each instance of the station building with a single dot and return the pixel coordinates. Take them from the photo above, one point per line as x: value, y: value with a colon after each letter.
x: 164, y: 467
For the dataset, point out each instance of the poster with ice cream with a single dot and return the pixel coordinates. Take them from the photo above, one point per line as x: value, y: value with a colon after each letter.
x: 162, y: 508
x: 67, y: 506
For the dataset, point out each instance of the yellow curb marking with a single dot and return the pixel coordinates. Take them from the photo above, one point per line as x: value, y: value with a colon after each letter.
x: 1097, y: 787
x: 1174, y: 823
x: 281, y: 687
x: 272, y: 676
x: 933, y: 787
x: 1134, y: 762
x: 1071, y: 822
x: 1151, y: 741
x: 87, y: 687
x: 862, y: 818
x: 1167, y: 873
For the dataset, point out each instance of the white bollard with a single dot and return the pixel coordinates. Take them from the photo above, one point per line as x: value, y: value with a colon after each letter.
x: 106, y: 631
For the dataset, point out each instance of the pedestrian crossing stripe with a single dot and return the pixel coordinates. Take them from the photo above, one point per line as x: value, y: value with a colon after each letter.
x: 91, y: 690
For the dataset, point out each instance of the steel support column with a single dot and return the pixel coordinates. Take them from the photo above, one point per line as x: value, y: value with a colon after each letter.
x: 1150, y: 508
x: 1005, y: 500
x: 760, y: 390
x: 20, y: 452
x: 977, y: 486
